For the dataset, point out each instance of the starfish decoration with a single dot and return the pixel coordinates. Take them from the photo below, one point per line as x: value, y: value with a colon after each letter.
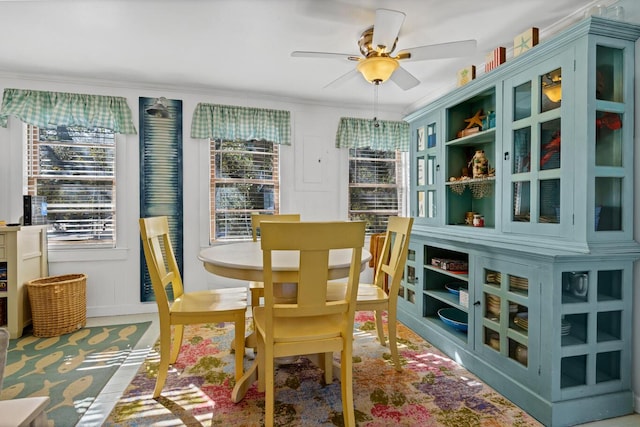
x: 475, y: 120
x: 524, y: 44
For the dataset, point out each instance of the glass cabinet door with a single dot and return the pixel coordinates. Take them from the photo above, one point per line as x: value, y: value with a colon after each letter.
x: 534, y: 166
x: 425, y: 194
x: 613, y: 154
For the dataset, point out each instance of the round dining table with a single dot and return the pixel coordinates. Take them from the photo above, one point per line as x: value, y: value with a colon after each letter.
x: 243, y: 261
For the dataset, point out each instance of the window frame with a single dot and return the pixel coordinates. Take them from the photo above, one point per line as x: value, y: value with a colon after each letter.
x: 401, y: 184
x: 32, y: 173
x: 274, y: 181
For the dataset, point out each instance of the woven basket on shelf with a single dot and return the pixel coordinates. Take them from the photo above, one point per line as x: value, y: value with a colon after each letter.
x: 58, y: 304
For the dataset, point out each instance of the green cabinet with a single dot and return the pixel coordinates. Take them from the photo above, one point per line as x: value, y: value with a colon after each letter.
x: 541, y: 150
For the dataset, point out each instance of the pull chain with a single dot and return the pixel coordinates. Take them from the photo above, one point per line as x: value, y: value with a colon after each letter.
x: 375, y: 103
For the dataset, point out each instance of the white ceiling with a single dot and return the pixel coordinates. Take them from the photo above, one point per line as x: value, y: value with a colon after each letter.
x: 244, y: 45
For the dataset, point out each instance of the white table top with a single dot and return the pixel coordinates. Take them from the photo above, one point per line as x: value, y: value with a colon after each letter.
x: 243, y: 261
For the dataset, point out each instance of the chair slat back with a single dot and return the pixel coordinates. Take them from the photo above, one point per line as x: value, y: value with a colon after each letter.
x: 313, y: 241
x: 257, y: 218
x: 394, y: 254
x: 161, y: 260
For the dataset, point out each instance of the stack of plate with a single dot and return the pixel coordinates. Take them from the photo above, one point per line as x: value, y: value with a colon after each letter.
x: 520, y: 283
x: 565, y: 328
x: 494, y: 277
x: 493, y: 304
x: 522, y: 320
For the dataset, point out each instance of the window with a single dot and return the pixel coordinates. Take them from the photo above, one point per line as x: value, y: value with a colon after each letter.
x: 74, y: 168
x: 377, y: 186
x: 244, y: 179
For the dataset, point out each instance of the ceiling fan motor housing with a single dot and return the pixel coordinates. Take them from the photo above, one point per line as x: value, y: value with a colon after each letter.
x: 365, y: 42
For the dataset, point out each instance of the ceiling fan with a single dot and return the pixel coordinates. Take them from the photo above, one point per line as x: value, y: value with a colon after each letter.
x: 377, y: 44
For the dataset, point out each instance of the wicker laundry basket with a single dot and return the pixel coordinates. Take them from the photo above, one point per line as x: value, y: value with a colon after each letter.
x: 58, y: 304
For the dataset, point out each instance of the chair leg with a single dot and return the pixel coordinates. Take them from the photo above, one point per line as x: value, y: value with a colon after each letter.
x: 393, y: 344
x: 178, y: 333
x: 261, y: 363
x: 326, y: 362
x: 163, y: 368
x: 269, y: 373
x: 239, y: 326
x: 379, y: 329
x: 346, y: 385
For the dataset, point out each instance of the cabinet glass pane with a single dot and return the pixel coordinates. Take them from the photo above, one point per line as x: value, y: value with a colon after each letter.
x: 608, y: 366
x: 518, y: 352
x: 522, y: 101
x: 492, y: 339
x: 550, y: 145
x: 422, y: 208
x: 551, y: 90
x: 608, y: 139
x: 521, y: 201
x: 609, y: 203
x: 522, y: 150
x: 431, y: 170
x: 609, y: 74
x: 573, y: 371
x: 431, y: 204
x: 431, y: 135
x: 518, y: 284
x: 549, y: 201
x: 421, y: 171
x: 492, y: 307
x: 420, y: 143
x: 609, y: 326
x: 609, y: 285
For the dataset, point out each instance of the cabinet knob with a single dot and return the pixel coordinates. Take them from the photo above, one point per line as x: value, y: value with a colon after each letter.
x: 506, y: 155
x: 477, y: 303
x: 437, y: 167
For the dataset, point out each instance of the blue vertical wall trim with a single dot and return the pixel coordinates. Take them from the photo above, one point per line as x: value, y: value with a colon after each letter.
x: 161, y: 178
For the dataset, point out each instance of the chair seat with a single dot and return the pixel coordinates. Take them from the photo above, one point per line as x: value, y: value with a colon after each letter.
x: 211, y: 300
x: 300, y: 329
x: 367, y: 293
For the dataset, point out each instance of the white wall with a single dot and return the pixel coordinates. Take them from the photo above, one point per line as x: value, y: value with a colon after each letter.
x: 314, y: 177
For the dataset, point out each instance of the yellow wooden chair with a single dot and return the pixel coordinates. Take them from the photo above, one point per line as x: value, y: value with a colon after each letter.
x: 211, y: 306
x: 372, y: 297
x: 257, y: 288
x: 311, y: 325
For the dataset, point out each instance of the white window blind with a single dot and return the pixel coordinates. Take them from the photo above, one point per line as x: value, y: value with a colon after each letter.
x: 244, y: 179
x: 74, y: 168
x: 377, y: 187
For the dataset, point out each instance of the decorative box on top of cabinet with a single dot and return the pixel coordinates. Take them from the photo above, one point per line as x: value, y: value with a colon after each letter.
x: 550, y: 271
x: 23, y: 257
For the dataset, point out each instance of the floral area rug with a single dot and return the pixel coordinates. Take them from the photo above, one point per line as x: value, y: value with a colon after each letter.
x: 432, y: 390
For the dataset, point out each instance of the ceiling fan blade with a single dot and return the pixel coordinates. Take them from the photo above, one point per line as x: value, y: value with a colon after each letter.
x: 307, y: 54
x: 386, y: 29
x: 343, y: 78
x: 404, y: 79
x: 438, y: 51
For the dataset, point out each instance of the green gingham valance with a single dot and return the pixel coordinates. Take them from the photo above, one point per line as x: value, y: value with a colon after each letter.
x: 241, y: 123
x: 360, y: 133
x: 44, y: 109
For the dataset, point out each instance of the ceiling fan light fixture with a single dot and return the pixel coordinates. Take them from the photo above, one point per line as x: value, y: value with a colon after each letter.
x: 377, y: 69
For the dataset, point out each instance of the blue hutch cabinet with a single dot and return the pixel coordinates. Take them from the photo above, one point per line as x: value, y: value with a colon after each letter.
x: 535, y: 249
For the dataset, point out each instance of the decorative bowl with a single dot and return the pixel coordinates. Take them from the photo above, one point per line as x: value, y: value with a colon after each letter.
x: 455, y: 287
x: 453, y: 317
